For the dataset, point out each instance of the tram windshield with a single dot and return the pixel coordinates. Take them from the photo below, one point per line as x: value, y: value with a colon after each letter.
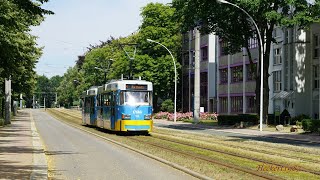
x: 135, y: 98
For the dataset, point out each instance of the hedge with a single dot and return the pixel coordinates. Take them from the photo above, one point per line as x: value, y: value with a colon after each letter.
x: 311, y: 125
x: 233, y: 119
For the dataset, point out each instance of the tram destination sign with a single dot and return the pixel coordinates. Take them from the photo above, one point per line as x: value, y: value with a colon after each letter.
x: 136, y: 87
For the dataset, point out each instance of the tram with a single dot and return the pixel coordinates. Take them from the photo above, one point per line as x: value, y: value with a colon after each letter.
x: 120, y: 105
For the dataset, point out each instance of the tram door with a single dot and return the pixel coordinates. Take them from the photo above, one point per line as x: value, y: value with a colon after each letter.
x: 93, y: 112
x: 113, y: 110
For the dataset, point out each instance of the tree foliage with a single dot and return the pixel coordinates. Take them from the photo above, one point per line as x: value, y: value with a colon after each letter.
x: 152, y: 62
x: 18, y: 48
x: 69, y: 89
x: 46, y: 89
x: 233, y: 26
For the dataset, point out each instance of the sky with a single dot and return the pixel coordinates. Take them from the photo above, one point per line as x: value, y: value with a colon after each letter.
x: 78, y: 23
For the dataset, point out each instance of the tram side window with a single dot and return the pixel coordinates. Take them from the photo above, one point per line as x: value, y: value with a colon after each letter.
x: 98, y: 100
x: 87, y: 105
x: 107, y: 99
x: 121, y: 97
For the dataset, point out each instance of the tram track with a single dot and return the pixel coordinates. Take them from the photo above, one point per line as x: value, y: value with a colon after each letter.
x: 307, y: 160
x: 207, y: 159
x: 233, y: 154
x: 274, y: 150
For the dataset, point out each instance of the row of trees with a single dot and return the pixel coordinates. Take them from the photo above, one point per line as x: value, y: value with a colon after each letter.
x: 151, y: 61
x: 18, y: 48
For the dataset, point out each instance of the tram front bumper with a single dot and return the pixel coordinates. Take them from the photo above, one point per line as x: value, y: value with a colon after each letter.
x: 134, y: 125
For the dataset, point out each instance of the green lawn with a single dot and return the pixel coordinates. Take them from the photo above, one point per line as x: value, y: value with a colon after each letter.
x: 204, y: 122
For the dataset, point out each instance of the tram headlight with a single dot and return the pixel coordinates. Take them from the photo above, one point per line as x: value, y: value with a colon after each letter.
x: 147, y: 117
x: 126, y: 116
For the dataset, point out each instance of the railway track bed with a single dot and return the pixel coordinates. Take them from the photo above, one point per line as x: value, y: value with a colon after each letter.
x: 217, y: 158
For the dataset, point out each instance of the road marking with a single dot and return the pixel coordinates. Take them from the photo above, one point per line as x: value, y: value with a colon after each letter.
x: 40, y: 166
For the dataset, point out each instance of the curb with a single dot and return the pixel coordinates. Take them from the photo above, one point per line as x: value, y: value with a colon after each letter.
x: 40, y: 166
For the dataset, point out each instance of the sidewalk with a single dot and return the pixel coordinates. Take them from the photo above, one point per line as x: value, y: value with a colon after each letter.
x: 315, y: 139
x: 21, y: 152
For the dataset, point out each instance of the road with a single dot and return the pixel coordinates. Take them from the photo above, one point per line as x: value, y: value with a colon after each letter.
x: 74, y: 154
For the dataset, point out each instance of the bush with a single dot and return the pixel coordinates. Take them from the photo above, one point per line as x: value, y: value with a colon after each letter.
x: 299, y: 118
x: 161, y: 115
x: 271, y: 119
x: 310, y: 125
x: 250, y: 119
x: 167, y: 106
x: 1, y: 122
x: 299, y: 124
x: 185, y: 116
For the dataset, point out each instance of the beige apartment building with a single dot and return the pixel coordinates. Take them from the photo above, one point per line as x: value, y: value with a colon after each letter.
x: 227, y: 85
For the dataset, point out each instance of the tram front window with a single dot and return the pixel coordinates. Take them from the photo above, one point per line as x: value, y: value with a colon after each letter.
x: 135, y: 98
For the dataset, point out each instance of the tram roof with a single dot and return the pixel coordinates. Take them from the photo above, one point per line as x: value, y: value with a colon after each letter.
x: 92, y: 91
x: 126, y: 84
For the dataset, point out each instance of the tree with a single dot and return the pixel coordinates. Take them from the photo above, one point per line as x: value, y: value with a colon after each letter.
x: 156, y: 63
x: 233, y: 26
x: 68, y: 91
x: 152, y: 62
x: 18, y: 48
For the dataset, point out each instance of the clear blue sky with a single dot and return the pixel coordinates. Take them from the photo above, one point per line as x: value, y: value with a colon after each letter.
x: 78, y: 23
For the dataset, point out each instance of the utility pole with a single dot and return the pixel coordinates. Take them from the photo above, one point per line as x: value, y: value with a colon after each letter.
x: 196, y: 111
x: 33, y: 102
x: 7, y: 119
x: 56, y: 103
x: 20, y: 101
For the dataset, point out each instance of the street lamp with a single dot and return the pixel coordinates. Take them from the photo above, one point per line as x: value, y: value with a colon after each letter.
x: 175, y: 79
x: 261, y: 54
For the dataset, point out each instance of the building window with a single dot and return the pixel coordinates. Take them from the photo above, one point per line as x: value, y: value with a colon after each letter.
x: 224, y: 48
x: 316, y: 76
x: 223, y: 76
x: 204, y: 53
x: 277, y: 80
x: 277, y: 56
x: 237, y: 74
x: 277, y: 32
x: 251, y: 105
x: 316, y: 45
x: 253, y: 42
x: 250, y: 73
x: 223, y: 104
x: 236, y: 104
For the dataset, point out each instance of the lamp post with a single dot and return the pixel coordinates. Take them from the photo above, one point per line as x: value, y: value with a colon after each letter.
x: 175, y: 79
x: 261, y: 54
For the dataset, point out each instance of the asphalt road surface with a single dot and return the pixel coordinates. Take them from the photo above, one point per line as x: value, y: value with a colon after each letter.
x: 73, y: 154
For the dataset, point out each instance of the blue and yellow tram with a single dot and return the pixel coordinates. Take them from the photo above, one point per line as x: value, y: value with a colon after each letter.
x: 122, y: 105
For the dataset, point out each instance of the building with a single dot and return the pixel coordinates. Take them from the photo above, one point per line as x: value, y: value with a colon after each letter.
x: 227, y: 85
x: 208, y: 72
